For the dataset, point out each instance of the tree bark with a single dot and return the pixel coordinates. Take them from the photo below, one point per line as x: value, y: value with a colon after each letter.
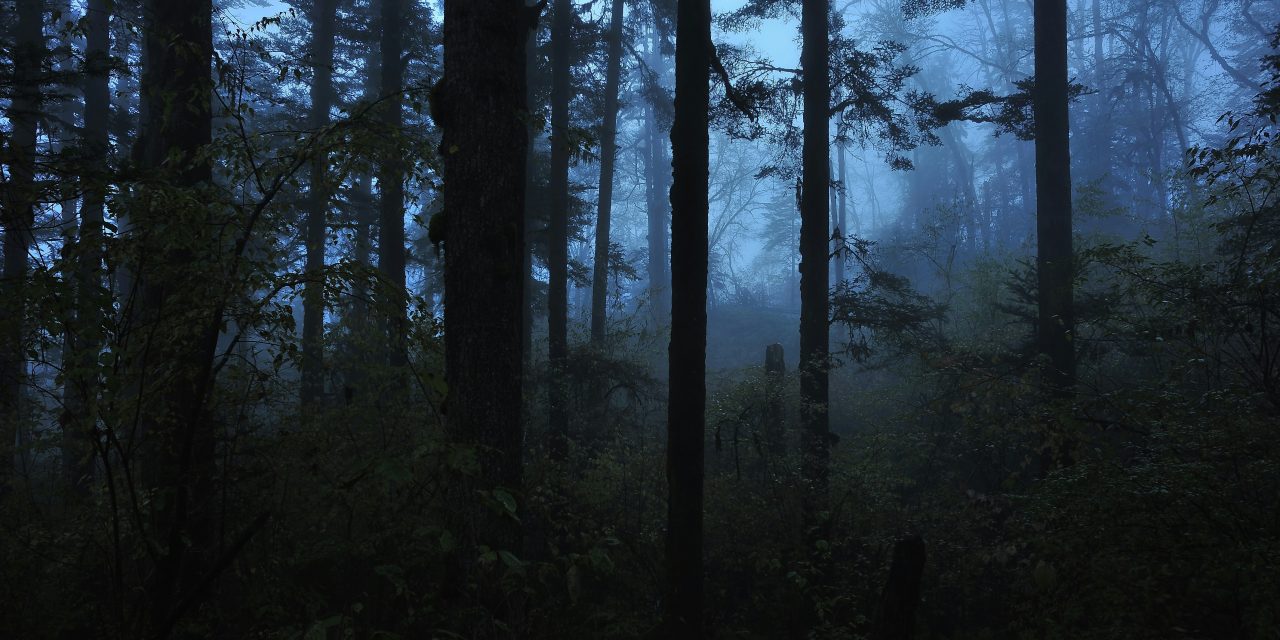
x: 1056, y: 323
x: 323, y: 19
x: 814, y: 303
x: 18, y: 219
x: 482, y: 109
x: 558, y: 231
x: 687, y: 356
x: 530, y: 186
x: 86, y: 340
x: 391, y: 251
x: 175, y: 322
x: 608, y: 152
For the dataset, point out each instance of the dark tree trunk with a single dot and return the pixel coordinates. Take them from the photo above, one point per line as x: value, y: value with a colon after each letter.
x: 813, y: 261
x: 391, y: 251
x: 18, y: 218
x: 323, y: 19
x: 86, y: 340
x: 483, y: 115
x: 175, y: 322
x: 608, y: 152
x: 530, y: 158
x: 687, y: 355
x: 558, y: 231
x: 896, y: 617
x: 1056, y: 325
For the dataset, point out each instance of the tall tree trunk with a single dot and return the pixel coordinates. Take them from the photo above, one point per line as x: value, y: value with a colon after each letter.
x: 687, y: 356
x: 1056, y: 323
x: 323, y: 19
x: 483, y: 115
x: 558, y: 232
x: 608, y: 152
x: 530, y: 158
x: 18, y: 219
x: 391, y: 251
x: 86, y: 340
x: 813, y: 261
x: 176, y: 127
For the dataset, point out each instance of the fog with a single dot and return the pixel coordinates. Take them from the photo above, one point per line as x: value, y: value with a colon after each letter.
x: 377, y: 319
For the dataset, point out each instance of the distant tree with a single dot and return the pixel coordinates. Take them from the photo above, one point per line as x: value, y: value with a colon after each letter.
x: 657, y: 167
x: 686, y: 419
x: 391, y: 176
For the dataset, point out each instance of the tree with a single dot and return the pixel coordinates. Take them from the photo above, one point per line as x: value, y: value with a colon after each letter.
x: 814, y: 303
x: 558, y: 230
x: 1055, y: 325
x: 391, y: 251
x: 85, y: 340
x: 608, y: 153
x: 687, y: 356
x: 174, y: 321
x: 481, y: 107
x: 18, y: 219
x: 323, y: 19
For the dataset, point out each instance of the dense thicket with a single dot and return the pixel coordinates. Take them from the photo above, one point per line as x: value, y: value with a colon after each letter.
x: 640, y: 318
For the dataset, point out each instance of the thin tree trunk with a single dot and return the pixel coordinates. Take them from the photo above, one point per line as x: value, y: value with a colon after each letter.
x: 813, y: 266
x: 366, y: 210
x: 87, y: 339
x: 391, y: 251
x: 842, y: 225
x: 558, y: 232
x: 1056, y: 324
x: 18, y: 219
x: 658, y: 172
x: 687, y: 357
x: 323, y: 20
x: 608, y: 152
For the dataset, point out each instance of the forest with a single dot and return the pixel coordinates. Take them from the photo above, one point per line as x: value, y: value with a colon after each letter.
x: 736, y: 319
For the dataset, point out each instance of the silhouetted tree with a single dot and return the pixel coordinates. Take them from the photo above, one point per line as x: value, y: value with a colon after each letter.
x: 481, y: 107
x: 1056, y: 325
x: 608, y: 153
x: 814, y: 303
x: 391, y: 170
x: 323, y: 19
x: 686, y: 420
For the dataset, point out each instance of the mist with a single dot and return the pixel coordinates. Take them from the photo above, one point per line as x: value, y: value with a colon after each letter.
x: 886, y: 319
